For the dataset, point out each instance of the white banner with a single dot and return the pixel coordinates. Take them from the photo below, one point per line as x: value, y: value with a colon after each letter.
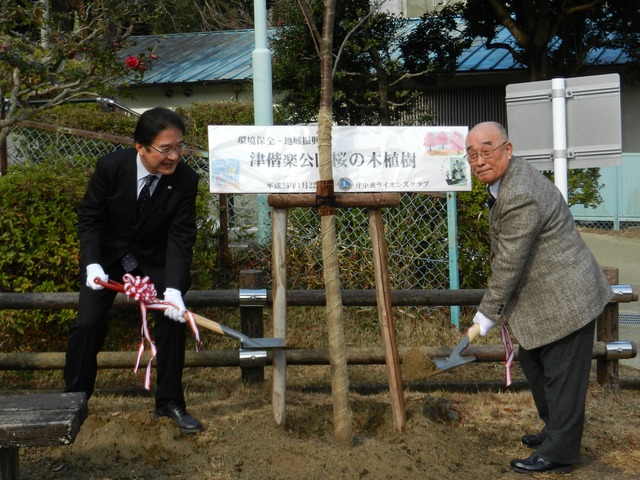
x: 285, y: 159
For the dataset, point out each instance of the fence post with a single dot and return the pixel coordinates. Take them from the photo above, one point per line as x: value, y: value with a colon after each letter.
x: 607, y: 331
x: 251, y: 320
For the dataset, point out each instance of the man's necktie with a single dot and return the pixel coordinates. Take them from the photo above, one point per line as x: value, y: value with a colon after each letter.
x: 129, y: 262
x: 145, y: 193
x: 490, y: 199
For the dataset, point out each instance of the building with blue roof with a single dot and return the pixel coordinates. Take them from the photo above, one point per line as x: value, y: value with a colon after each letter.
x: 209, y: 66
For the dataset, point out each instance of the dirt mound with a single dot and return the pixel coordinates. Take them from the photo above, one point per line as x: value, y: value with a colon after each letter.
x: 448, y: 435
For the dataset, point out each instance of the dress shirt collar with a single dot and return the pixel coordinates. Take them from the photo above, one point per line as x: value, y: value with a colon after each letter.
x: 494, y: 188
x: 142, y: 175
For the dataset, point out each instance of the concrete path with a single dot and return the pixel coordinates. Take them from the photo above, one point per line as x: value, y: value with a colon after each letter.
x: 623, y: 254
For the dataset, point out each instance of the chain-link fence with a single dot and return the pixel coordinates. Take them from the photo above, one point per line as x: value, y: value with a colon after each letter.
x: 416, y: 231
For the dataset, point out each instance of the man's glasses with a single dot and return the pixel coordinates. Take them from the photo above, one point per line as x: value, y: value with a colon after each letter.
x: 485, y: 152
x: 166, y: 151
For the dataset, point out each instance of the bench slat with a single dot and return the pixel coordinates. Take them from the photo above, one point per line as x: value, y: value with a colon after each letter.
x: 40, y: 420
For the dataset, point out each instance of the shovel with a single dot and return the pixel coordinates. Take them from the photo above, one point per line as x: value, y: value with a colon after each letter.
x: 456, y: 359
x: 246, y: 342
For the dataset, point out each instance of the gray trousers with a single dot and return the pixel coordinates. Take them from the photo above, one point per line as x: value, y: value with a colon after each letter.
x: 558, y: 374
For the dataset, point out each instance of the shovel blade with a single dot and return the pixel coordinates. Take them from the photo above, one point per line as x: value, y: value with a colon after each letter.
x: 262, y: 343
x: 445, y: 364
x: 455, y: 359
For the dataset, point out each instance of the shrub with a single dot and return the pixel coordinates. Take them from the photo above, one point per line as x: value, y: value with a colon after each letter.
x: 198, y: 116
x: 39, y: 247
x: 39, y: 250
x: 90, y: 116
x: 473, y: 237
x: 205, y: 251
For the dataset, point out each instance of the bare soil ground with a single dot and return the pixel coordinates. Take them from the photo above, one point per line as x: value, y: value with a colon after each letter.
x: 474, y: 435
x: 460, y: 424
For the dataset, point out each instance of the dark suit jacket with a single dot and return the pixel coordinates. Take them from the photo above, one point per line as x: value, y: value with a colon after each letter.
x: 161, y: 240
x: 544, y: 280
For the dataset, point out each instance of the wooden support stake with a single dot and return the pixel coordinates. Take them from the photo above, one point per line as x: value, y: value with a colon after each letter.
x: 607, y: 330
x: 279, y: 302
x: 326, y: 201
x: 385, y: 315
x: 343, y: 200
x: 251, y: 321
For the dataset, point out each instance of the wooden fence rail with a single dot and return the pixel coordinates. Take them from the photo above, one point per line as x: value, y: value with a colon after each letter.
x: 231, y: 298
x: 302, y: 356
x: 607, y: 350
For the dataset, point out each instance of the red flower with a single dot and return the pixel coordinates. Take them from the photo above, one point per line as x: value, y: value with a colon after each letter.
x: 133, y: 62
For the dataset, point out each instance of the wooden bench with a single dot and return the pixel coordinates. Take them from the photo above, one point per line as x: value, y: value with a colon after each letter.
x: 38, y: 420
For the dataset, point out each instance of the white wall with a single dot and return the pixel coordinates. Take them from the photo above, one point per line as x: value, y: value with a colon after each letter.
x: 180, y: 96
x: 413, y: 8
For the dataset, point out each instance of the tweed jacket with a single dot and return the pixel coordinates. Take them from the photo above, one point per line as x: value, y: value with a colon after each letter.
x: 161, y: 239
x: 544, y: 283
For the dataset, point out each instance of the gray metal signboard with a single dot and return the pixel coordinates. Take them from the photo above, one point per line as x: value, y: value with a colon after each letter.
x: 593, y: 121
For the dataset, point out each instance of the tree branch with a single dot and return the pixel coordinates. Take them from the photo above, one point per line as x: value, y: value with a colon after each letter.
x: 375, y: 6
x: 505, y: 19
x: 572, y: 10
x: 313, y: 28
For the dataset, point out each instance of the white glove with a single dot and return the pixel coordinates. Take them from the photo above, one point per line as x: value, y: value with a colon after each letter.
x: 485, y: 323
x: 94, y: 271
x: 176, y: 312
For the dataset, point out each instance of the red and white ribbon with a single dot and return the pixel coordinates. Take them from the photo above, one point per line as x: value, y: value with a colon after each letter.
x: 508, y: 354
x: 142, y: 290
x: 139, y: 288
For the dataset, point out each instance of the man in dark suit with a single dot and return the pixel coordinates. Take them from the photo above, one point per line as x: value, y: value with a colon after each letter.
x: 138, y: 216
x: 547, y: 287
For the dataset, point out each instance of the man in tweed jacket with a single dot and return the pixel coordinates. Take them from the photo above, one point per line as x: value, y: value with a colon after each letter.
x: 548, y: 288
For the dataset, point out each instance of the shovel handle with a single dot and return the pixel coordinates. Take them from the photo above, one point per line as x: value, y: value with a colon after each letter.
x: 200, y: 320
x: 474, y: 332
x: 206, y: 323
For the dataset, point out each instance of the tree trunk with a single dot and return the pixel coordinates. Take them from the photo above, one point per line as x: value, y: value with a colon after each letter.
x: 342, y: 414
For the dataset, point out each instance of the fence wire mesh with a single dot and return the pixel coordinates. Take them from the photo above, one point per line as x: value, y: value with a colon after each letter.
x: 415, y: 232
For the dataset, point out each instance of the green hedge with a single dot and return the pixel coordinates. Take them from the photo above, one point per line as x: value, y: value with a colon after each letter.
x: 198, y: 116
x: 90, y: 116
x: 38, y: 245
x: 39, y: 248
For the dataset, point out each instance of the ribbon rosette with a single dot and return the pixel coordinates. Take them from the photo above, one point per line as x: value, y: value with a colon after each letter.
x: 144, y: 292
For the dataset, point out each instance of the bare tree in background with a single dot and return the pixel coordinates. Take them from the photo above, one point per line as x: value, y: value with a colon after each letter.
x: 201, y: 15
x: 51, y: 51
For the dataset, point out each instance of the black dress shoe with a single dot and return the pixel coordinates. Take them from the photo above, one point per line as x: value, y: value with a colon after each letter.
x: 186, y: 423
x: 532, y: 441
x: 535, y: 464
